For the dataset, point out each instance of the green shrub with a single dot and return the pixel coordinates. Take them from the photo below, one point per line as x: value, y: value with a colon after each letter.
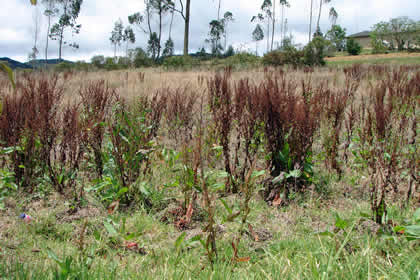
x: 289, y: 56
x: 378, y: 46
x: 141, y: 59
x: 242, y: 59
x: 179, y: 62
x: 353, y: 47
x: 315, y: 51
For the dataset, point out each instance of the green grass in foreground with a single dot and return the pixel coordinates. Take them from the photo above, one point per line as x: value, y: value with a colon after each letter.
x: 48, y: 248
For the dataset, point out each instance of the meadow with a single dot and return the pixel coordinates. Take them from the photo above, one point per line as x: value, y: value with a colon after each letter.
x: 263, y: 173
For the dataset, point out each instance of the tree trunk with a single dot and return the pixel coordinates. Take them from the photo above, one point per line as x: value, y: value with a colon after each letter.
x: 273, y: 26
x: 218, y: 11
x: 319, y: 15
x: 160, y: 31
x: 268, y: 35
x: 60, y: 45
x: 46, y: 44
x: 187, y: 27
x: 282, y: 26
x: 310, y: 21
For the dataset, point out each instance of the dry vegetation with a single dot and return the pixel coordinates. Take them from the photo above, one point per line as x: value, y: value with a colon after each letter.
x: 186, y: 158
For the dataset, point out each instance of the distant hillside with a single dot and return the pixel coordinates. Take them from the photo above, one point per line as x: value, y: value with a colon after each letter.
x: 41, y: 62
x: 15, y: 64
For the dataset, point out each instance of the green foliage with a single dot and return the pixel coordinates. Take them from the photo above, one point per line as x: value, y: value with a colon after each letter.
x: 141, y: 59
x: 337, y: 36
x: 315, y: 52
x: 7, y: 185
x: 353, y: 47
x: 377, y: 44
x: 289, y: 56
x: 98, y: 61
x: 180, y: 62
x: 5, y: 68
x: 169, y: 48
x: 242, y: 58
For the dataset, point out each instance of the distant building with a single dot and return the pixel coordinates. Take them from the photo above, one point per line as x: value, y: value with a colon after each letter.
x: 363, y: 38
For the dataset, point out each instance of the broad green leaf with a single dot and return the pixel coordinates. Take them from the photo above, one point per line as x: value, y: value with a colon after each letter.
x: 294, y: 174
x: 110, y: 229
x: 340, y: 223
x: 53, y: 256
x: 180, y: 240
x: 257, y: 174
x: 413, y: 230
x: 226, y: 206
x: 122, y: 191
x: 416, y: 216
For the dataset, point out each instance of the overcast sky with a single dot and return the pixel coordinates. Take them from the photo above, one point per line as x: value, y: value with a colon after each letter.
x: 98, y: 16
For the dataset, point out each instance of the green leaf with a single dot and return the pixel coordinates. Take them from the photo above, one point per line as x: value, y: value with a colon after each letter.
x: 413, y: 230
x: 325, y: 233
x: 33, y: 2
x: 53, y: 256
x: 416, y: 216
x: 122, y: 191
x: 143, y: 189
x: 9, y: 71
x: 294, y: 174
x: 180, y: 240
x: 226, y: 206
x: 110, y: 229
x: 257, y: 174
x: 340, y: 223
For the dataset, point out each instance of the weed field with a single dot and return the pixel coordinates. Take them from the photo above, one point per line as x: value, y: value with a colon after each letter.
x: 274, y: 173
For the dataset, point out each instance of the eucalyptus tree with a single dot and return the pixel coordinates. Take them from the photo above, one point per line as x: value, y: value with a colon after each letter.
x: 184, y: 12
x: 215, y: 34
x: 227, y: 17
x: 284, y: 4
x: 310, y: 19
x: 333, y: 13
x: 50, y: 12
x: 333, y: 16
x: 144, y: 21
x: 117, y: 35
x: 257, y: 35
x: 266, y: 16
x: 69, y: 12
x: 128, y: 37
x: 36, y: 25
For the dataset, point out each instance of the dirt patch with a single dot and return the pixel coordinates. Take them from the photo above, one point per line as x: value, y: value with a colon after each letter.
x: 372, y: 56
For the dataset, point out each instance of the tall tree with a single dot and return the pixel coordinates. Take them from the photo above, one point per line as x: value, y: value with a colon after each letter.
x: 215, y: 34
x: 185, y: 14
x: 333, y: 16
x: 152, y: 7
x: 310, y: 19
x: 321, y: 2
x: 69, y: 10
x: 50, y: 12
x: 266, y: 9
x: 36, y: 23
x: 227, y: 17
x: 257, y: 35
x: 117, y: 35
x: 284, y: 4
x: 128, y: 37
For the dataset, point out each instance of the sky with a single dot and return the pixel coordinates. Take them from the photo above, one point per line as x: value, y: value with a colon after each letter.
x: 97, y: 18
